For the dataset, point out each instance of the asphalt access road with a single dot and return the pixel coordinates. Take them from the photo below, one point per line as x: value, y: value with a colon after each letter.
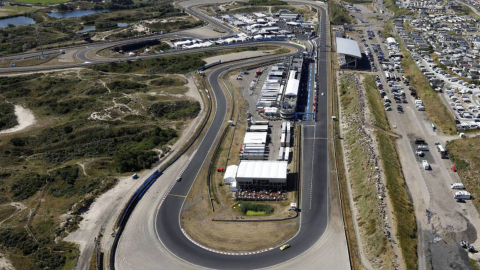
x: 89, y: 62
x: 314, y: 203
x: 85, y: 48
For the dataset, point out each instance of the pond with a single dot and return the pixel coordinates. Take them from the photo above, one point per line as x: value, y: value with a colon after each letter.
x: 20, y: 20
x: 74, y: 13
x: 88, y: 28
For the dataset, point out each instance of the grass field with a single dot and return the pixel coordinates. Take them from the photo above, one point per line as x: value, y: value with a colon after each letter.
x: 376, y: 105
x: 401, y: 202
x: 101, y: 121
x: 256, y: 213
x: 464, y: 155
x: 338, y: 14
x: 436, y: 109
x: 45, y: 2
x: 360, y: 171
x: 397, y: 189
x: 15, y: 10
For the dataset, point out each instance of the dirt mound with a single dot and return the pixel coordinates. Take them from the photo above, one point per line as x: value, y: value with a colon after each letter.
x: 454, y: 227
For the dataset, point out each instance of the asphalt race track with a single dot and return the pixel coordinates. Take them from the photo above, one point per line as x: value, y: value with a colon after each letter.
x: 314, y: 184
x: 314, y: 203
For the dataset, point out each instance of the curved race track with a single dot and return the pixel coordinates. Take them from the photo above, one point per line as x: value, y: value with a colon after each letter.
x: 314, y: 203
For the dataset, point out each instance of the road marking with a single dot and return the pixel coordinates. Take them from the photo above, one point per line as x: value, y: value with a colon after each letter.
x: 182, y: 196
x: 313, y: 162
x: 313, y: 138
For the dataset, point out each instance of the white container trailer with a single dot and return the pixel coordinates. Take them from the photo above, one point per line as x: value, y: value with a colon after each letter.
x: 462, y: 195
x: 284, y: 127
x: 287, y: 154
x: 457, y: 186
x: 282, y: 139
x: 280, y: 154
x: 288, y: 140
x: 289, y: 127
x: 258, y: 128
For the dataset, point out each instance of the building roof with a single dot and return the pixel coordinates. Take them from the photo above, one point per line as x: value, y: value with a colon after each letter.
x: 292, y: 85
x: 348, y: 47
x: 230, y: 173
x: 391, y: 40
x: 262, y: 169
x: 255, y: 137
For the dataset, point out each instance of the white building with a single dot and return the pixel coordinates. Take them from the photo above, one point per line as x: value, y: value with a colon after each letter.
x: 261, y: 174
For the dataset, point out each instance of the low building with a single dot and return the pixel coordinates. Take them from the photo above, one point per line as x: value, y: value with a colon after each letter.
x: 348, y: 52
x: 252, y: 174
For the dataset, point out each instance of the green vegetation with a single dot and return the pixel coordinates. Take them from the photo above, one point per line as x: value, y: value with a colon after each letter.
x: 375, y: 103
x: 360, y: 170
x: 169, y: 81
x: 8, y: 119
x: 250, y: 9
x: 464, y: 155
x: 171, y: 64
x: 168, y: 64
x: 167, y: 27
x: 61, y: 32
x: 255, y: 209
x: 338, y: 14
x: 8, y: 10
x: 86, y: 138
x: 175, y: 110
x: 45, y: 2
x: 401, y: 201
x: 397, y: 188
x: 390, y: 5
x: 474, y: 264
x: 436, y: 109
x: 466, y: 10
x: 266, y: 3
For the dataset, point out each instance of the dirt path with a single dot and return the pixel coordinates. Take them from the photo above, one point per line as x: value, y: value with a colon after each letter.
x: 25, y: 119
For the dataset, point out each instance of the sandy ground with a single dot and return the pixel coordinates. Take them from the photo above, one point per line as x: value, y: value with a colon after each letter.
x: 237, y: 56
x: 25, y: 119
x: 203, y: 32
x: 5, y: 263
x: 103, y: 212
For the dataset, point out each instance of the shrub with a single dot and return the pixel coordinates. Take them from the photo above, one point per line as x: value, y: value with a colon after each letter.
x: 130, y: 161
x: 25, y: 187
x: 8, y: 118
x: 16, y: 141
x: 256, y: 207
x: 174, y: 110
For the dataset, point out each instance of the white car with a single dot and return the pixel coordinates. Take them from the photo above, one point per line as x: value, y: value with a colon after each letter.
x: 425, y: 165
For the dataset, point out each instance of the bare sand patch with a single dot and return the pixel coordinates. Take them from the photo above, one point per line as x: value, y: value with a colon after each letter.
x: 25, y: 119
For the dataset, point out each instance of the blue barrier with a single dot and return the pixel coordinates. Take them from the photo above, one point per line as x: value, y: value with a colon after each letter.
x: 138, y: 194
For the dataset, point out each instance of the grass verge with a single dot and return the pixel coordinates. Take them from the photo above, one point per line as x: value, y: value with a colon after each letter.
x: 396, y: 185
x: 436, y: 109
x: 401, y: 201
x: 338, y: 14
x: 360, y: 172
x: 346, y: 206
x: 464, y: 155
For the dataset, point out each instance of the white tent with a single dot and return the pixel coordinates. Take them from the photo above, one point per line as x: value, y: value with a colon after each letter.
x: 230, y: 174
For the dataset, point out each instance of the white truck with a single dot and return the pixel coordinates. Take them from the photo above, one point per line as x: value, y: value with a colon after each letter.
x: 457, y: 186
x: 462, y: 195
